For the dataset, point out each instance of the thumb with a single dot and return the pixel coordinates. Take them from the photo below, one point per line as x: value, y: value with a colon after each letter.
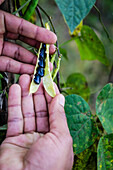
x: 57, y: 118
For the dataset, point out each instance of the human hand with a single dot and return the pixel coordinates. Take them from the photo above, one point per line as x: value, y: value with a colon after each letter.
x: 37, y: 136
x: 14, y: 58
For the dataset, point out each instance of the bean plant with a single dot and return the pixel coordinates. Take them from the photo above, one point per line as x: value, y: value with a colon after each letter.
x: 92, y: 132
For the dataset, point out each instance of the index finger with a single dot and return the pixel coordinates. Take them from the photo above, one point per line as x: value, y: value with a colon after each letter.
x: 20, y: 26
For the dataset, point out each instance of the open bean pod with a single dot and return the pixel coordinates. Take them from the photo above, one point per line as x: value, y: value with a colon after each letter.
x: 42, y: 68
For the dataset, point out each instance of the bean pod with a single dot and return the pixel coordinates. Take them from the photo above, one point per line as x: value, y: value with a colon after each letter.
x: 41, y: 65
x: 42, y: 70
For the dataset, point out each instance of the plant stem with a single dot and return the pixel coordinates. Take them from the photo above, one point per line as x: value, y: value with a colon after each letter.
x: 47, y: 17
x: 68, y: 41
x: 39, y: 14
x: 18, y: 7
x: 21, y: 7
x: 100, y: 19
x: 58, y: 78
x: 52, y: 27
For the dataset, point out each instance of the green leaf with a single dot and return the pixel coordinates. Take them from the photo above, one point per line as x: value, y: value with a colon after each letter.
x: 86, y: 160
x: 81, y: 125
x: 63, y: 52
x: 105, y: 153
x: 24, y: 4
x: 104, y: 107
x: 74, y: 11
x: 90, y: 47
x: 17, y: 77
x: 30, y: 9
x: 77, y: 30
x: 76, y: 84
x: 1, y: 77
x: 22, y: 7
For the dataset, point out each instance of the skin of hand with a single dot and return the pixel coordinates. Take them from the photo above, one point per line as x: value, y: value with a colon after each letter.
x: 37, y: 136
x: 13, y: 57
x: 1, y: 1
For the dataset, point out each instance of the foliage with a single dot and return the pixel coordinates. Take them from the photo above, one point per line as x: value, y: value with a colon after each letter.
x: 22, y: 6
x: 30, y: 9
x: 63, y: 52
x: 84, y: 129
x: 76, y: 84
x: 105, y: 152
x: 1, y: 77
x: 104, y: 107
x: 81, y: 125
x: 90, y: 46
x: 74, y: 11
x: 92, y: 132
x: 87, y: 159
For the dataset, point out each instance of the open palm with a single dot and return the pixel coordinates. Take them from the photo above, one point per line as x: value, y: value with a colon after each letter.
x: 37, y: 135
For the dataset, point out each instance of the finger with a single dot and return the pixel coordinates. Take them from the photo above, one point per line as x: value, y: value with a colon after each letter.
x: 27, y: 104
x: 29, y: 41
x: 36, y: 44
x: 2, y: 31
x: 1, y: 43
x: 41, y: 110
x: 10, y: 65
x: 18, y: 53
x: 20, y: 26
x: 57, y: 118
x: 15, y: 118
x: 1, y: 1
x: 48, y: 97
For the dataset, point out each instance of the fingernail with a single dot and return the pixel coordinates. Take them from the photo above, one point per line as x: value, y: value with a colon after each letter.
x: 61, y: 100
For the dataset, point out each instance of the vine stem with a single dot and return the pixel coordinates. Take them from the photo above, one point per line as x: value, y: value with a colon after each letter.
x: 59, y: 55
x: 21, y: 7
x: 100, y: 19
x: 39, y: 14
x: 110, y: 79
x: 58, y: 78
x: 47, y: 17
x: 18, y: 7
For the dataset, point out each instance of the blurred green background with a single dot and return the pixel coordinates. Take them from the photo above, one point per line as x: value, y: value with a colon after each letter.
x: 97, y: 74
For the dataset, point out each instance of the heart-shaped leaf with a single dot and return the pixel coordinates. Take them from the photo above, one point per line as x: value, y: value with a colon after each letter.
x: 76, y: 84
x: 104, y: 107
x: 90, y: 46
x: 81, y: 125
x: 74, y: 11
